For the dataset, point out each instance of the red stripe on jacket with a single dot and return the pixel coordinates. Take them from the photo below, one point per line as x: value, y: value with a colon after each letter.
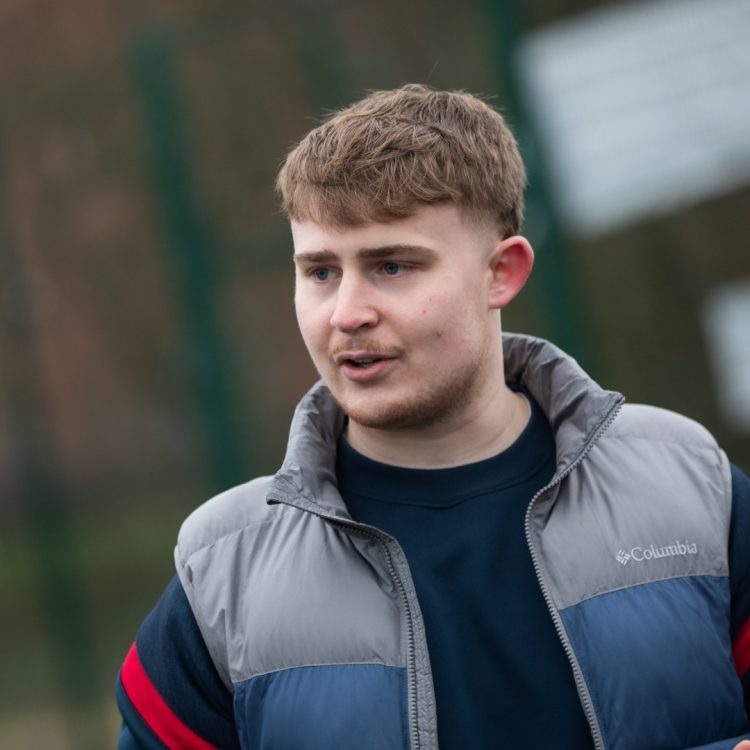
x: 145, y: 698
x: 741, y: 650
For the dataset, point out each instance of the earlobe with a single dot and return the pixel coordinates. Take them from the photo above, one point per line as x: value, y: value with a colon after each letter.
x: 510, y: 264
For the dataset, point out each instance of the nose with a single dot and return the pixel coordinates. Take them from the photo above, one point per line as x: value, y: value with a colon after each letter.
x: 354, y: 308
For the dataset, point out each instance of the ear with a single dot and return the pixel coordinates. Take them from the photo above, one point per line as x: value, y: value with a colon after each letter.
x: 510, y: 265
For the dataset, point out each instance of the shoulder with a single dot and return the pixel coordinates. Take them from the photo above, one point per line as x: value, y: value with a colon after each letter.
x: 225, y: 514
x: 216, y: 546
x: 654, y: 423
x: 648, y: 440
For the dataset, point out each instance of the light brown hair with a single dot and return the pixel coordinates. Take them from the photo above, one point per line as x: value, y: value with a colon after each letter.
x: 385, y: 155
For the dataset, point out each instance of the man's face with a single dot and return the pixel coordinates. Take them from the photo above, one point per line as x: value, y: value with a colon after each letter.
x: 396, y: 316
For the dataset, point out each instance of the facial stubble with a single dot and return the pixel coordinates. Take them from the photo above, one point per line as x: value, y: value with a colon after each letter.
x: 439, y: 403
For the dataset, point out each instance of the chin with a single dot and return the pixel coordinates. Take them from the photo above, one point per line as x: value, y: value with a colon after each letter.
x: 401, y: 414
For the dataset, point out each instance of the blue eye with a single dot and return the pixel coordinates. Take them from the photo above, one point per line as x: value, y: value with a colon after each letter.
x: 321, y: 274
x: 391, y: 268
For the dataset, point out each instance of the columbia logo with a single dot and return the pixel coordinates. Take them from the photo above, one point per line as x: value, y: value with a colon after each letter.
x: 652, y: 552
x: 622, y: 557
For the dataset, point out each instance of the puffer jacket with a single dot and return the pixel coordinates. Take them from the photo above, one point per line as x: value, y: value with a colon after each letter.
x: 313, y: 622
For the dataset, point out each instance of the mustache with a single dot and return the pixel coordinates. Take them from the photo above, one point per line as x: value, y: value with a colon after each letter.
x: 366, y: 346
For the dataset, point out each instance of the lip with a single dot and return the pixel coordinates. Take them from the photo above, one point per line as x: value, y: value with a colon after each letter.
x: 375, y: 371
x: 342, y: 357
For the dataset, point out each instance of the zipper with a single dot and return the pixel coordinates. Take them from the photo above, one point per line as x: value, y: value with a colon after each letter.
x: 411, y: 653
x: 581, y: 686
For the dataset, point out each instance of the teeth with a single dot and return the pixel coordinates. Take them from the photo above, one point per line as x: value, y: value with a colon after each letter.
x: 363, y: 362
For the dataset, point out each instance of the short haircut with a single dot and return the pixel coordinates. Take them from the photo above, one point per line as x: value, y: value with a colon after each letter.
x: 386, y: 155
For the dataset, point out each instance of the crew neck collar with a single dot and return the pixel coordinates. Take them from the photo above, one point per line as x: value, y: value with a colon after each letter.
x: 366, y: 477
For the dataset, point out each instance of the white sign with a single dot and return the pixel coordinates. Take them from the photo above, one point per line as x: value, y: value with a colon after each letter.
x: 643, y: 107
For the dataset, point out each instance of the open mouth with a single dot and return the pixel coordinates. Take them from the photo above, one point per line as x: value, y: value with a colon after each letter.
x: 362, y: 363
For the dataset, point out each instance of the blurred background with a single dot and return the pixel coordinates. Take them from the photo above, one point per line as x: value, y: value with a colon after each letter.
x: 148, y: 351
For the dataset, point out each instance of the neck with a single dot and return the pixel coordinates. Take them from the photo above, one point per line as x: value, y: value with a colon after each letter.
x: 488, y: 425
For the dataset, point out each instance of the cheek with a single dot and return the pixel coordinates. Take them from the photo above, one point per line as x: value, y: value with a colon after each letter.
x: 461, y: 330
x: 310, y: 327
x: 308, y: 309
x: 444, y: 317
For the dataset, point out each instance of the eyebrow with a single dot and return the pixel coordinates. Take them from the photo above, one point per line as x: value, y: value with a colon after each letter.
x: 367, y: 253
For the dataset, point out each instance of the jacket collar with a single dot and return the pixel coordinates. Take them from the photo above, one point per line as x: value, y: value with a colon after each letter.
x: 577, y: 409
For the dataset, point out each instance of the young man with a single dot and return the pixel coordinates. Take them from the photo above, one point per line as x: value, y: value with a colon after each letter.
x: 469, y: 542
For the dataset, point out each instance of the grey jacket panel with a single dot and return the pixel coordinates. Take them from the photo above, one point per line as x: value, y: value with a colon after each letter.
x: 651, y: 501
x: 288, y: 589
x: 222, y: 515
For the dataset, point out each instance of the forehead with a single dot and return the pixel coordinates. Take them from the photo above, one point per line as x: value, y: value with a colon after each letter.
x: 430, y: 226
